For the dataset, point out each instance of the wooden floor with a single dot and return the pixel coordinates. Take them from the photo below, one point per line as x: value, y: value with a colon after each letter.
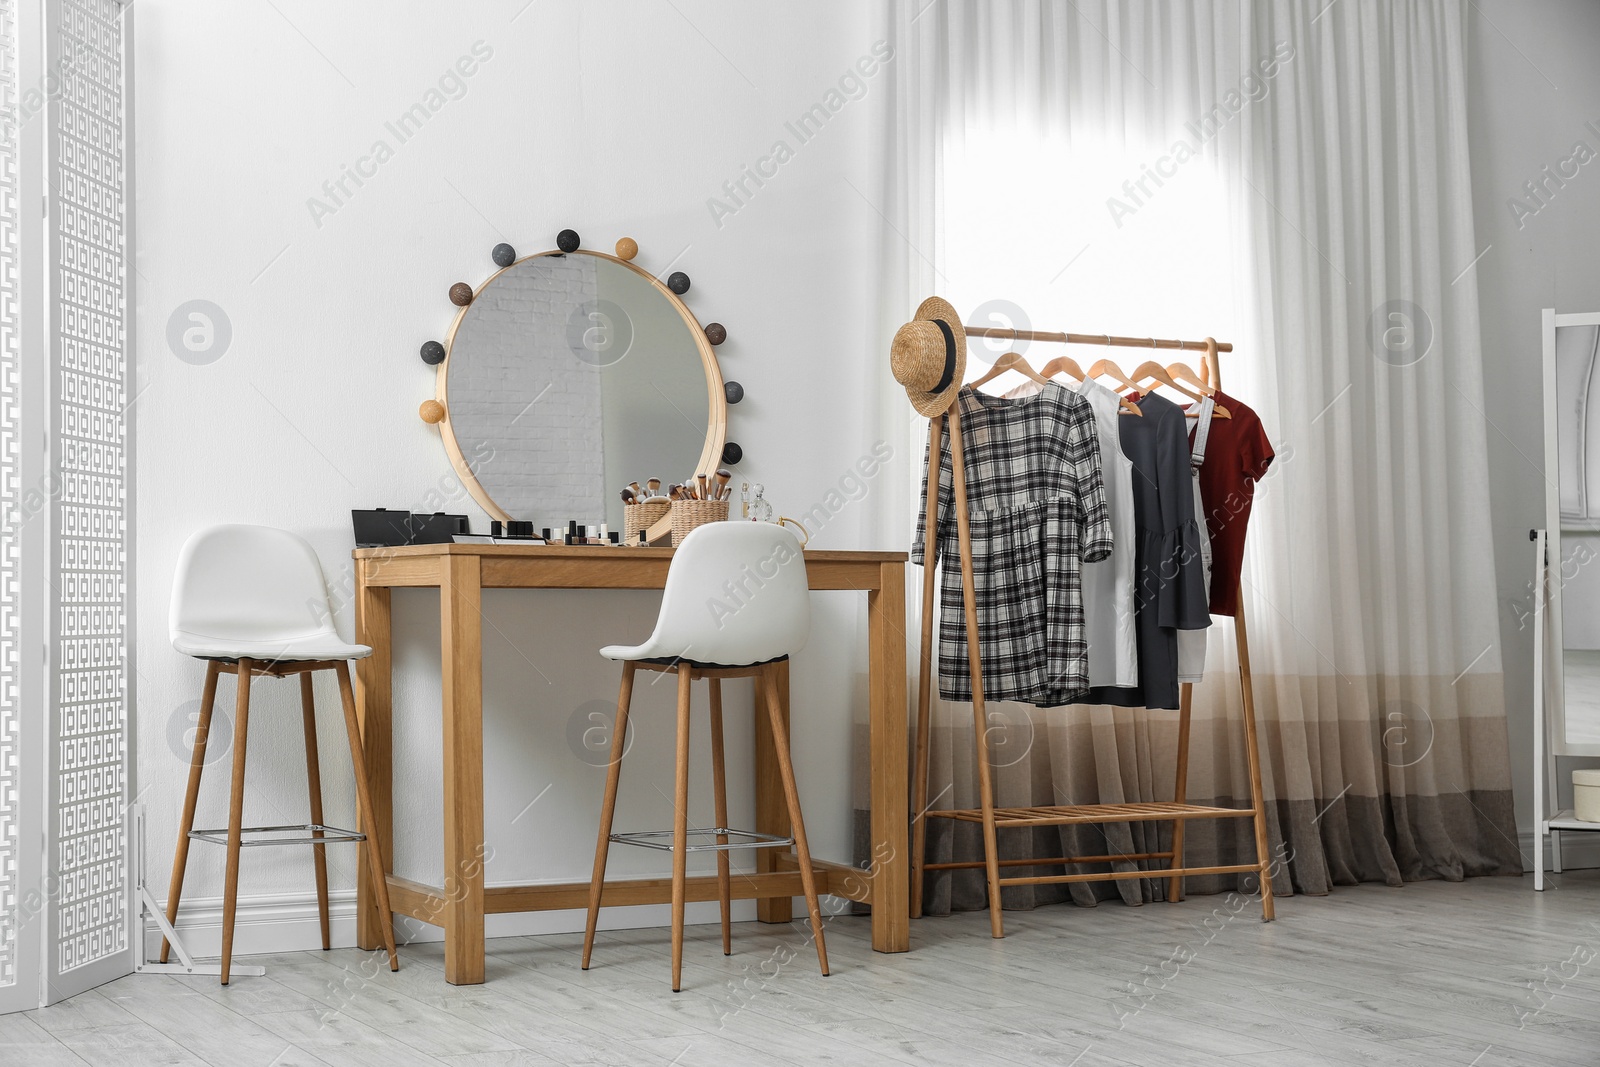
x: 1479, y: 974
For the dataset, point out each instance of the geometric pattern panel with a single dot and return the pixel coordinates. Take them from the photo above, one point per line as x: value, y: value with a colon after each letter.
x: 91, y: 375
x: 10, y: 502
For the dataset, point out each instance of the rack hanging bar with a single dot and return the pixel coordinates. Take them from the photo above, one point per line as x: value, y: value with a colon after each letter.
x: 1102, y: 339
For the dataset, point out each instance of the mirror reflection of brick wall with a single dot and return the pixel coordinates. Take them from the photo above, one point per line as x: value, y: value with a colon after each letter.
x: 526, y: 391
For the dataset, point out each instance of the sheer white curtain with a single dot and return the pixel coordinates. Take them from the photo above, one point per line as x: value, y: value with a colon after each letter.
x: 1295, y: 181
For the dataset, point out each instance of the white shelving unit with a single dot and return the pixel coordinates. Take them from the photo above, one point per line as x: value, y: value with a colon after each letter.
x: 1564, y: 713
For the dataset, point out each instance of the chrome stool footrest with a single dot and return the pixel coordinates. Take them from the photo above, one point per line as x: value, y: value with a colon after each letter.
x: 331, y: 835
x: 662, y: 839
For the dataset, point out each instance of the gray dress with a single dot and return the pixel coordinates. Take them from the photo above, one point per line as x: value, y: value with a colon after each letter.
x: 1170, y: 585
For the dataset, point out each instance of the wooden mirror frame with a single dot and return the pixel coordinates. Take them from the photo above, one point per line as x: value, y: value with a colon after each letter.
x: 716, y: 428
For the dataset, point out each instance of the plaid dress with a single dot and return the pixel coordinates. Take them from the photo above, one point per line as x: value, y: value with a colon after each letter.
x: 1037, y: 510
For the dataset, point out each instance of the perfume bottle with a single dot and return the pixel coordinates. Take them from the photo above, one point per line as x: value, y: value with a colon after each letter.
x: 760, y: 507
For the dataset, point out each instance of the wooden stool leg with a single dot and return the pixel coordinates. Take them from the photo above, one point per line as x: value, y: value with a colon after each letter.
x: 1180, y: 789
x: 608, y: 809
x: 319, y: 853
x: 680, y: 826
x: 808, y: 877
x: 371, y: 846
x: 1253, y: 757
x: 197, y: 762
x: 230, y: 891
x: 719, y: 782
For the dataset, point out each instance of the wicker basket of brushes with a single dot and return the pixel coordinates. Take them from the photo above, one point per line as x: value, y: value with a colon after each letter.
x: 642, y: 515
x: 691, y: 512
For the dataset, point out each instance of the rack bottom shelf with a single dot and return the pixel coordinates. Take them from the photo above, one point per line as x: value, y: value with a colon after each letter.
x: 1068, y: 814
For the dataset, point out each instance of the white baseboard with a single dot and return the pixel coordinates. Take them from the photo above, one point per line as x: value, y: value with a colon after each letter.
x: 289, y: 923
x: 1580, y: 850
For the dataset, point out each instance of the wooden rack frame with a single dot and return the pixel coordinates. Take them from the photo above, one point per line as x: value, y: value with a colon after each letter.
x: 1178, y: 811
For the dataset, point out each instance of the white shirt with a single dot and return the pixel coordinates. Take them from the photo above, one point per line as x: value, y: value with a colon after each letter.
x: 1108, y: 606
x: 1109, y: 619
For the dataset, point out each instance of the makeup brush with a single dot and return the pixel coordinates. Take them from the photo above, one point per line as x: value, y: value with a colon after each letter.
x: 705, y: 486
x: 655, y: 486
x: 627, y: 496
x: 637, y: 492
x: 723, y: 478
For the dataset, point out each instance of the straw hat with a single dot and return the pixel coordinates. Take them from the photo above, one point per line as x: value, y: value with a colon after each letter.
x: 929, y: 356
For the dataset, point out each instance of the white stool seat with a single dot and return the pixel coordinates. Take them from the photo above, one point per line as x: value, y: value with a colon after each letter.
x: 254, y: 592
x: 736, y: 595
x: 270, y: 650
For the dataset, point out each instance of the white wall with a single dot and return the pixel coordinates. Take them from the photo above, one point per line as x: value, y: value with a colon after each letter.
x: 1534, y: 88
x: 613, y: 119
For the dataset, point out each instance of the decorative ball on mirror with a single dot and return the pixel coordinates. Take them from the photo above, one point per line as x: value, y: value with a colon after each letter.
x: 568, y: 241
x: 733, y: 391
x: 432, y: 353
x: 678, y: 282
x: 432, y: 412
x: 627, y: 248
x: 716, y: 333
x: 461, y: 294
x: 503, y: 255
x: 732, y: 453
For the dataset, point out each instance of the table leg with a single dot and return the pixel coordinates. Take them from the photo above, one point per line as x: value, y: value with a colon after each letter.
x: 374, y: 680
x: 772, y: 809
x: 461, y: 633
x: 891, y: 856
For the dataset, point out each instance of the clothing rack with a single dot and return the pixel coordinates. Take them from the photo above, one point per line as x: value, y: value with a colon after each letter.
x: 993, y: 819
x: 1103, y: 339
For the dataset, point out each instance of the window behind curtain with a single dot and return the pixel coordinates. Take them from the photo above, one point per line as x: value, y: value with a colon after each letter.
x: 1040, y: 233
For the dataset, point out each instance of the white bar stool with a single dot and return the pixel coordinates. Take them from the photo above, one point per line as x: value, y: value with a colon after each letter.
x: 736, y: 603
x: 250, y: 600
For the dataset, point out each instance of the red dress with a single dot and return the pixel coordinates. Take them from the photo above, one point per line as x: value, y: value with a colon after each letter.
x: 1237, y: 456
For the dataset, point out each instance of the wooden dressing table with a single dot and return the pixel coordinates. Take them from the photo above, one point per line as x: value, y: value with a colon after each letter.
x: 460, y: 573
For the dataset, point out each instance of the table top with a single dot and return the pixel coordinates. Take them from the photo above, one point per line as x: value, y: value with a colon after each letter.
x: 611, y: 552
x: 591, y: 567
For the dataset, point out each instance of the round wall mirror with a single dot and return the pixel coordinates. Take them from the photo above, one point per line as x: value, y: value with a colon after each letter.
x: 570, y: 375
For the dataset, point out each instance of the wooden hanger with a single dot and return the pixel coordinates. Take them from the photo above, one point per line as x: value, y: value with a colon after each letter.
x: 1063, y: 365
x: 1185, y: 373
x: 1108, y: 368
x: 1157, y: 373
x: 1009, y: 361
x: 1069, y: 366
